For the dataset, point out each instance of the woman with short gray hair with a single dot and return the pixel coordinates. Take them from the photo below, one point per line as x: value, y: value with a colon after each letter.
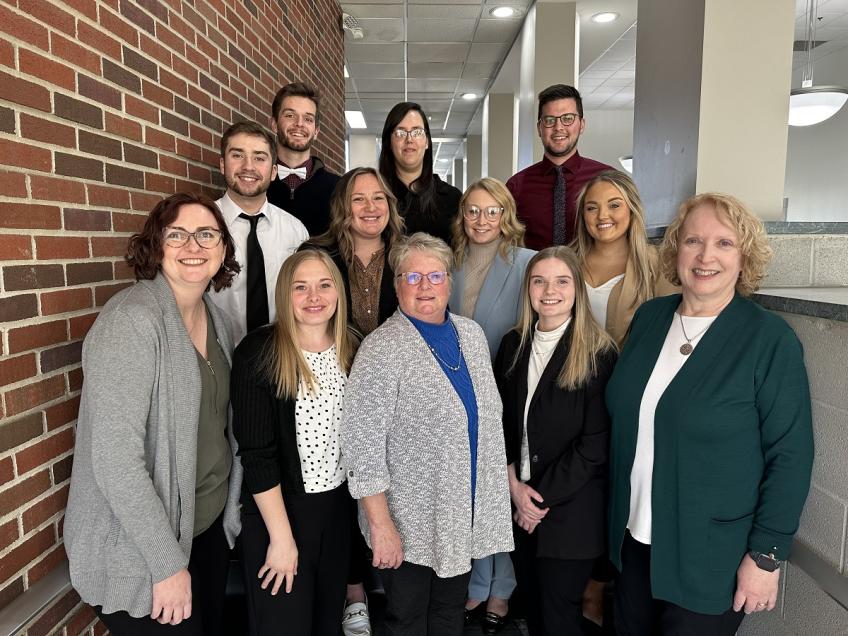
x: 423, y: 444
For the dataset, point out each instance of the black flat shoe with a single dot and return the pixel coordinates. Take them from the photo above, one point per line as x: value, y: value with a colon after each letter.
x: 474, y: 615
x: 493, y: 623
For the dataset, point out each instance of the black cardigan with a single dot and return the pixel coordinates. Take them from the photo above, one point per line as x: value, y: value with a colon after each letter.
x: 438, y: 223
x: 263, y: 424
x: 310, y: 201
x: 568, y: 435
x: 388, y: 298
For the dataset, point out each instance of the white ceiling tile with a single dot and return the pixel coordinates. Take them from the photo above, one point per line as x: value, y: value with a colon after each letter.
x: 434, y: 69
x: 476, y: 85
x: 441, y: 52
x: 473, y: 70
x: 363, y: 52
x: 431, y: 85
x: 360, y: 11
x: 442, y: 30
x: 446, y: 10
x: 379, y: 85
x: 492, y: 52
x: 495, y: 30
x: 382, y: 29
x: 373, y: 70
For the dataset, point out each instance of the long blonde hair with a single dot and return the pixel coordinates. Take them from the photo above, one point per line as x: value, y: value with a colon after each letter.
x: 512, y: 230
x: 284, y: 363
x: 637, y: 238
x: 588, y: 339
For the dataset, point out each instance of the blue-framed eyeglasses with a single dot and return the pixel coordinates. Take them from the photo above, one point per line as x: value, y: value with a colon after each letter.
x: 415, y: 278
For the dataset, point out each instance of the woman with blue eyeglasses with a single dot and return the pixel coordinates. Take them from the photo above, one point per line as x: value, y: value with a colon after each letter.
x: 423, y: 445
x: 426, y: 203
x: 490, y: 261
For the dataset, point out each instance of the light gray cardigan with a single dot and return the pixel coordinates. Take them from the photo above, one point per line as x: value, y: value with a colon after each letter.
x: 405, y: 432
x: 130, y: 515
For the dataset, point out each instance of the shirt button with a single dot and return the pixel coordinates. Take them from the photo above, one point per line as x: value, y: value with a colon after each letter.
x: 350, y: 473
x: 369, y: 311
x: 366, y: 289
x: 535, y: 458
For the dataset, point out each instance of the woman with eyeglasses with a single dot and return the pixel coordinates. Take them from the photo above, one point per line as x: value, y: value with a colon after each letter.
x: 423, y: 446
x: 489, y: 264
x: 153, y: 506
x: 426, y: 203
x: 552, y: 370
x: 288, y: 384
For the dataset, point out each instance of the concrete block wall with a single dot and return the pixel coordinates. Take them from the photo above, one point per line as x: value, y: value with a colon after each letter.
x: 808, y: 260
x: 804, y: 608
x: 106, y: 106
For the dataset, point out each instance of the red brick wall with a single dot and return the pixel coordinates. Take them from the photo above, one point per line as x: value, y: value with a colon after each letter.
x: 105, y: 107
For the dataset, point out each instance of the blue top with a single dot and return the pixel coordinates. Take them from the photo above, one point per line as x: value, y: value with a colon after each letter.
x: 443, y: 341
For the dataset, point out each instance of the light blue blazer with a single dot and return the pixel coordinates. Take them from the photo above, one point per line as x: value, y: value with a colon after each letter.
x: 499, y: 304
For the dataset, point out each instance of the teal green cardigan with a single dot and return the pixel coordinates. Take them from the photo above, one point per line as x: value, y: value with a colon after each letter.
x: 733, y: 449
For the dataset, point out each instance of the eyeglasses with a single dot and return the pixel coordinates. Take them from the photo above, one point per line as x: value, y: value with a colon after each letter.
x: 549, y: 121
x: 205, y: 237
x: 472, y: 213
x: 415, y: 133
x: 414, y: 278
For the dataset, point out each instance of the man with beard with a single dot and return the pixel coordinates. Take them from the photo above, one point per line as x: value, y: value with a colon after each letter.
x: 303, y: 186
x: 264, y: 235
x: 546, y: 192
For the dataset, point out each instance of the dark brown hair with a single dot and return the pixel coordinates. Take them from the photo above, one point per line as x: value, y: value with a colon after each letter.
x: 560, y: 91
x: 296, y: 89
x: 252, y: 129
x: 144, y: 252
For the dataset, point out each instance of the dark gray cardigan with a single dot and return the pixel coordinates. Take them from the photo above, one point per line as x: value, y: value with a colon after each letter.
x: 130, y: 514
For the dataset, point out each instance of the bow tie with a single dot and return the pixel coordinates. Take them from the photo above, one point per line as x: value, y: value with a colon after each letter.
x: 284, y: 171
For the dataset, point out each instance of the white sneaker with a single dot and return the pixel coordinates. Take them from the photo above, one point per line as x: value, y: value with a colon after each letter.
x: 355, y: 620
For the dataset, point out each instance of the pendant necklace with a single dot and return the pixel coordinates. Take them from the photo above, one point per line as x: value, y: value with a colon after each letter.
x: 459, y: 344
x: 686, y: 348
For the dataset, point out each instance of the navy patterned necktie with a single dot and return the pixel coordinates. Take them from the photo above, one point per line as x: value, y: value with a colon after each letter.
x: 257, y: 294
x: 559, y: 207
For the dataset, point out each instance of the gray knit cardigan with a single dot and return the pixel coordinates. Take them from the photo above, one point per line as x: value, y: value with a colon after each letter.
x: 405, y: 432
x: 130, y: 515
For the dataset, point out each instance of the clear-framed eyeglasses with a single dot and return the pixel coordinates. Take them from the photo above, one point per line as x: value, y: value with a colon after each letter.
x: 205, y: 237
x: 472, y: 213
x: 549, y: 121
x: 415, y: 133
x: 415, y: 278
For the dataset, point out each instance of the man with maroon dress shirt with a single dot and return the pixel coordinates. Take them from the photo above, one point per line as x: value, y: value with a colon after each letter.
x: 546, y: 192
x: 303, y: 186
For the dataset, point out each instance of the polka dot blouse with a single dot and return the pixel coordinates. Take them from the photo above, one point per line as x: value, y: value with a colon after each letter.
x: 317, y: 419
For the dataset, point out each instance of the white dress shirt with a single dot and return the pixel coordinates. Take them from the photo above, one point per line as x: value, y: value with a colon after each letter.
x: 279, y: 235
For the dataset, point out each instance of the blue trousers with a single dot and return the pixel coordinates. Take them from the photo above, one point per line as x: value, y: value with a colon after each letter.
x: 492, y: 576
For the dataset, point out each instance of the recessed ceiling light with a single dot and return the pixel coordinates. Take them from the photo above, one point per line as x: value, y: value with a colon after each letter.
x: 469, y: 96
x: 355, y: 119
x: 503, y: 12
x: 604, y: 17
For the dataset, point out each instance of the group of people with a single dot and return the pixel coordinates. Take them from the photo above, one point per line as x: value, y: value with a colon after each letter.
x: 469, y: 393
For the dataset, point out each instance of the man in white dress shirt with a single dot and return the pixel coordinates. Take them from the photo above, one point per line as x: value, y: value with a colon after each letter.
x: 264, y: 234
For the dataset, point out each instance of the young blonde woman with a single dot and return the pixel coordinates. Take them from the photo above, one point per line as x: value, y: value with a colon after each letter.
x: 620, y: 267
x: 287, y: 387
x: 552, y: 370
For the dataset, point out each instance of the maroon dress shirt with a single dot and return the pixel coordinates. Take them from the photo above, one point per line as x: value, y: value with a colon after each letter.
x: 533, y: 190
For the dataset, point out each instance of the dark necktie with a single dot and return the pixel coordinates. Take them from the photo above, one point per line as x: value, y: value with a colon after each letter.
x: 559, y: 207
x: 257, y: 294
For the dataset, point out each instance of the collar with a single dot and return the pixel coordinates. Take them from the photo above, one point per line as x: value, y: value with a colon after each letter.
x: 571, y: 165
x: 231, y: 210
x: 308, y: 165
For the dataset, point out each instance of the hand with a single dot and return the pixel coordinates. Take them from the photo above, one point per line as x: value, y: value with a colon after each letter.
x: 523, y: 496
x: 386, y: 546
x: 756, y: 589
x: 525, y: 524
x: 280, y: 566
x: 172, y: 599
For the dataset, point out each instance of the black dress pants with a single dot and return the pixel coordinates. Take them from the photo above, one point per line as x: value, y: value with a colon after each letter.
x: 552, y: 589
x: 320, y: 523
x: 637, y: 613
x: 208, y: 565
x: 419, y: 603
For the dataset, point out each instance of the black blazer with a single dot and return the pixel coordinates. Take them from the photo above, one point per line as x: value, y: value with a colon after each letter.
x: 388, y: 298
x: 263, y: 424
x: 568, y: 436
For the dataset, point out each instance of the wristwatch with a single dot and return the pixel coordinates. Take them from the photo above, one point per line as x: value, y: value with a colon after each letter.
x: 766, y: 562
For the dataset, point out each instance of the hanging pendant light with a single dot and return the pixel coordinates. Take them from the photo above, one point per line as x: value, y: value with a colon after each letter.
x: 810, y: 104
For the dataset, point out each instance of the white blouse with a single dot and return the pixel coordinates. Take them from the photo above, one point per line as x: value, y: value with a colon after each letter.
x: 317, y: 418
x: 669, y: 362
x: 599, y: 298
x: 542, y: 348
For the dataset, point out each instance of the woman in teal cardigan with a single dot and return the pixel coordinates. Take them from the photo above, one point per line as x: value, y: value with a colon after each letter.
x: 711, y: 447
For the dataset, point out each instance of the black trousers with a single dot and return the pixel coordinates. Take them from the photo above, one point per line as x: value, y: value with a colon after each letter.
x: 360, y: 558
x: 552, y: 589
x: 637, y: 613
x: 208, y: 565
x: 419, y: 603
x: 320, y: 523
